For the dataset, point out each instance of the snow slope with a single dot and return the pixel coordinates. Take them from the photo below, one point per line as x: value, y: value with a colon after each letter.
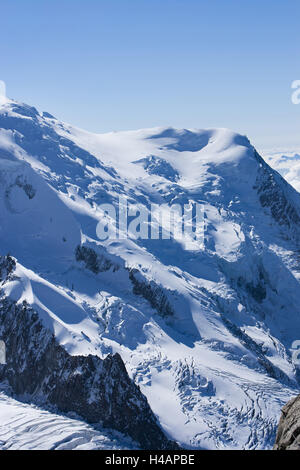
x: 207, y: 333
x: 26, y: 427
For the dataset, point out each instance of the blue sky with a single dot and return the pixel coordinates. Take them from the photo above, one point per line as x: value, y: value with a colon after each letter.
x: 125, y: 64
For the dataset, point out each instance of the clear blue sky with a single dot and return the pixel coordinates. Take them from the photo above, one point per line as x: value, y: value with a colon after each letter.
x: 125, y: 64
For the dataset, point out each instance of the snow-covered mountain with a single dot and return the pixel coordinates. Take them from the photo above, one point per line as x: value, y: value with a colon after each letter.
x: 206, y: 334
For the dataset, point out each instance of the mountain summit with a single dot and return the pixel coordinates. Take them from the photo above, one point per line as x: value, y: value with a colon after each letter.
x: 206, y: 334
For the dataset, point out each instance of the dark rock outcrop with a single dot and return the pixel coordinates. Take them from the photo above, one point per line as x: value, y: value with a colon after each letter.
x: 93, y: 261
x: 257, y: 350
x: 41, y: 371
x: 152, y: 292
x: 288, y: 433
x: 276, y: 195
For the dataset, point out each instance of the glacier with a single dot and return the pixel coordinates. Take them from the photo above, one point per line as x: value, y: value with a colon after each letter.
x: 205, y: 334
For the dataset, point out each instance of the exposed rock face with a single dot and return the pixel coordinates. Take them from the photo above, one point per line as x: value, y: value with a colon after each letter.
x: 273, y: 196
x: 151, y: 292
x: 100, y: 391
x: 288, y: 433
x: 251, y: 345
x: 93, y: 261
